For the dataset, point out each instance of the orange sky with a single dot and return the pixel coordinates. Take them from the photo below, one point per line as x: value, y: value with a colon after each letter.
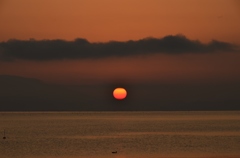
x: 166, y: 72
x: 200, y: 68
x: 104, y: 20
x: 121, y: 20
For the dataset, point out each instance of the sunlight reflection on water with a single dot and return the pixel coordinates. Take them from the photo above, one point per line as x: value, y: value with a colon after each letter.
x: 131, y: 134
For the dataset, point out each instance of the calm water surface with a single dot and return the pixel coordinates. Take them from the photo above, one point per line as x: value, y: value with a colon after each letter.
x: 131, y: 134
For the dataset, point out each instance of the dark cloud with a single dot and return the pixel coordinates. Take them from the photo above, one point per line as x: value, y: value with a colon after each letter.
x: 82, y: 49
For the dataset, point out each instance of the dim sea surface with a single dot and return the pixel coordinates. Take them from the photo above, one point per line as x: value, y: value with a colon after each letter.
x: 130, y: 134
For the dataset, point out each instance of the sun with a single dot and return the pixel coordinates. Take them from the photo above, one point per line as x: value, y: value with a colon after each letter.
x: 119, y: 93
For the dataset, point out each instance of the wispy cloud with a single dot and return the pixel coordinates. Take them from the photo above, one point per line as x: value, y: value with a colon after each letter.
x: 82, y: 49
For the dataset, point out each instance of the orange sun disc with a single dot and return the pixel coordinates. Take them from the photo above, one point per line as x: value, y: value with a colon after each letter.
x: 119, y: 93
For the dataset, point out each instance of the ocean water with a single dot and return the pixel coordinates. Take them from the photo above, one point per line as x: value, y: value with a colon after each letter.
x: 131, y: 134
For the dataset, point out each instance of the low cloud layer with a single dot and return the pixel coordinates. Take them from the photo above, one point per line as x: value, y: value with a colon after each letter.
x: 82, y: 49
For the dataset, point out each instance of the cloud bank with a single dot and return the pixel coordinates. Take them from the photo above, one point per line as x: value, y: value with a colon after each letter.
x: 44, y: 50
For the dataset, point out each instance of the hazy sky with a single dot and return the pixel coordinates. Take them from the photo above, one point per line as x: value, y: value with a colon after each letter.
x: 104, y: 20
x: 86, y: 42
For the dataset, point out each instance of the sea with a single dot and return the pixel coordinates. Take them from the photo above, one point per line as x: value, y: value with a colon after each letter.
x: 174, y: 134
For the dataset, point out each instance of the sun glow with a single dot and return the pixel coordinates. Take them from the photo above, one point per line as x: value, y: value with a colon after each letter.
x: 119, y: 93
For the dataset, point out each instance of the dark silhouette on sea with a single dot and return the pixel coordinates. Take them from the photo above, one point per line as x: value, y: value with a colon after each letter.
x: 4, y: 137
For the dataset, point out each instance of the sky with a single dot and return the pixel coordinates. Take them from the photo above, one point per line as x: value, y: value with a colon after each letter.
x: 162, y: 51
